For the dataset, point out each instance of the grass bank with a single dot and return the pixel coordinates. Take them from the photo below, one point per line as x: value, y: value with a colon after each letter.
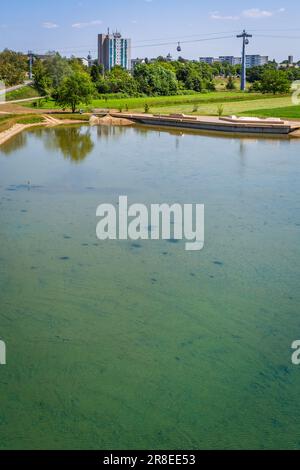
x: 22, y: 94
x: 71, y: 117
x: 9, y: 121
x: 233, y: 102
x: 288, y: 112
x: 138, y: 104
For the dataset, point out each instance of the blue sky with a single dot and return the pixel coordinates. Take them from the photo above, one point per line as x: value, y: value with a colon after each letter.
x: 71, y: 26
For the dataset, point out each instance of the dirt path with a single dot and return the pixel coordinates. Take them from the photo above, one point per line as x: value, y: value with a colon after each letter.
x: 11, y: 108
x: 50, y: 120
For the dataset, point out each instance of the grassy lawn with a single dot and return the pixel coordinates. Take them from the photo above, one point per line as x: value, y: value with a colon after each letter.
x: 220, y: 83
x: 170, y: 101
x: 75, y: 117
x: 8, y: 121
x: 288, y: 112
x: 233, y: 102
x: 137, y: 104
x: 231, y: 107
x: 22, y: 93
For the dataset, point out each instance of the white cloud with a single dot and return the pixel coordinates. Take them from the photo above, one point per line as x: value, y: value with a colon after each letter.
x: 216, y: 15
x: 257, y: 13
x: 49, y: 25
x: 254, y: 13
x: 86, y: 24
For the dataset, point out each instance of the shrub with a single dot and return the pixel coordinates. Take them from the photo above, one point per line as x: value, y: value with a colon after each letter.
x: 230, y: 85
x: 220, y: 110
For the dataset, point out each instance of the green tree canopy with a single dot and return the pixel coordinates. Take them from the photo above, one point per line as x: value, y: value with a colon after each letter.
x: 56, y: 68
x: 13, y: 67
x: 42, y: 80
x: 194, y: 76
x: 273, y: 81
x: 153, y: 79
x: 96, y: 72
x: 74, y: 90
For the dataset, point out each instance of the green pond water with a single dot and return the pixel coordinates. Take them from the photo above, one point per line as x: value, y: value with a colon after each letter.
x: 142, y: 345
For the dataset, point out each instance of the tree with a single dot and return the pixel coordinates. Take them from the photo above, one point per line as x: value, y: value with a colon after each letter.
x: 13, y: 67
x: 121, y: 81
x: 49, y: 73
x: 273, y: 81
x: 293, y: 73
x: 96, y: 72
x: 193, y: 76
x: 74, y: 90
x: 57, y: 68
x: 153, y: 79
x: 42, y: 81
x: 254, y: 74
x: 230, y: 85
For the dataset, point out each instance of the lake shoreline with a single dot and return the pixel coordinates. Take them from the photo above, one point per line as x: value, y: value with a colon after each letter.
x: 17, y: 128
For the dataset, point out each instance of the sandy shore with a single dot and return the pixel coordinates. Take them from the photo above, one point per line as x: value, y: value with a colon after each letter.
x: 109, y: 120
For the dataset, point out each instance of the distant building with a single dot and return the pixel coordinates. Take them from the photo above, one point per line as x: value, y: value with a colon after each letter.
x: 135, y: 62
x: 230, y: 59
x: 41, y: 57
x: 84, y: 61
x: 251, y: 60
x: 90, y: 60
x: 256, y: 60
x: 207, y: 60
x: 114, y: 50
x: 288, y: 63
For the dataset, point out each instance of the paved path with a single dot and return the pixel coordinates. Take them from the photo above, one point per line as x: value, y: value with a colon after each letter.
x: 21, y: 101
x: 16, y: 87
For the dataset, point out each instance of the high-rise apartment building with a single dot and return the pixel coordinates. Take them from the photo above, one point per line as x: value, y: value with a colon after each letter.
x: 114, y: 50
x: 251, y: 60
x: 207, y: 60
x: 256, y: 60
x: 230, y: 59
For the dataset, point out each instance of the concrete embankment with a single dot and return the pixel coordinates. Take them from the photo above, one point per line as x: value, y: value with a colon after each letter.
x: 213, y: 124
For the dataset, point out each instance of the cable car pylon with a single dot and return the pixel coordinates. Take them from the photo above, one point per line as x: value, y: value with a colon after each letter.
x: 245, y: 37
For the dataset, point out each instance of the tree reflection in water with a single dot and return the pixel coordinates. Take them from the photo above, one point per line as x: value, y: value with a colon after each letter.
x: 74, y: 142
x: 16, y: 143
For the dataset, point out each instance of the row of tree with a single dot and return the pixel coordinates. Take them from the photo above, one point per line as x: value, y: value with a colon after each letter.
x: 156, y: 78
x: 70, y: 83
